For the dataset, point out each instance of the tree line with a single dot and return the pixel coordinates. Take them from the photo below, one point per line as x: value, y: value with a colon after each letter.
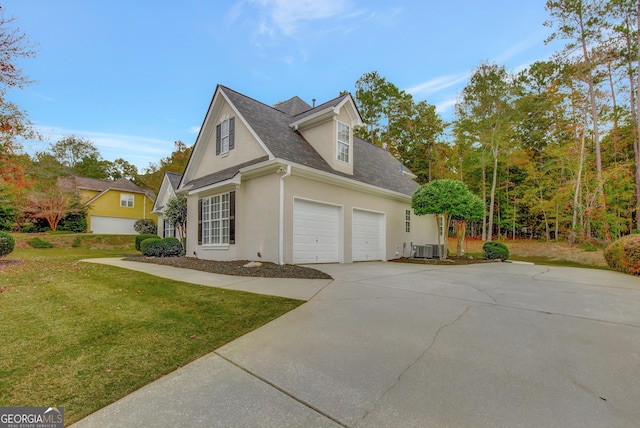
x: 551, y: 150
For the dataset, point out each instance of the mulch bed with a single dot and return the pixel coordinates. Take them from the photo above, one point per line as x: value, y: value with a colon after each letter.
x: 236, y: 267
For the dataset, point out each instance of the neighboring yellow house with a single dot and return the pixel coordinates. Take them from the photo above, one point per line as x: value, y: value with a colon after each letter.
x: 113, y: 206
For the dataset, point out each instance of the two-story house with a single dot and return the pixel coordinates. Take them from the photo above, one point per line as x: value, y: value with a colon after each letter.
x: 112, y: 206
x: 292, y: 184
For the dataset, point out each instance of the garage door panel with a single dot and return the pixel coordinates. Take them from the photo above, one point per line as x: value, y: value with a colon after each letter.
x: 316, y: 229
x: 112, y: 225
x: 368, y: 230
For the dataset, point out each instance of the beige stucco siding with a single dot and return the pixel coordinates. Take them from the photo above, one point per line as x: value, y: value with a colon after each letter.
x: 423, y: 229
x: 246, y: 148
x: 257, y: 218
x: 323, y: 138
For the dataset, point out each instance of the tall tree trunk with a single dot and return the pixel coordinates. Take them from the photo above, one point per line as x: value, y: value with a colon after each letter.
x: 461, y: 230
x: 484, y: 199
x: 576, y: 195
x: 594, y: 113
x: 636, y: 141
x: 494, y: 181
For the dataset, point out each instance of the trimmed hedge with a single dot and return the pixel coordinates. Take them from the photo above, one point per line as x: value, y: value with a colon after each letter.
x: 7, y: 244
x: 495, y: 251
x: 623, y: 255
x: 140, y: 238
x: 156, y: 247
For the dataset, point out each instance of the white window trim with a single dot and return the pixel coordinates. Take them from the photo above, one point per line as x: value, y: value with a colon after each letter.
x: 125, y: 198
x: 339, y: 143
x: 407, y: 221
x: 224, y: 137
x: 208, y: 221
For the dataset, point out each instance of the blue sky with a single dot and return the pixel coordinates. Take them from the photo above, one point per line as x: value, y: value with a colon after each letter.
x: 135, y: 76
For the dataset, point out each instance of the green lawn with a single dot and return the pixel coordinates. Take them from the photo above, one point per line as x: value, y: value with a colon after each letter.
x: 81, y: 335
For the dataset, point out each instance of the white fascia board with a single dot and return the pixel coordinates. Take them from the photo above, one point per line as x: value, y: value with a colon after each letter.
x: 354, y: 112
x: 329, y: 112
x: 235, y: 180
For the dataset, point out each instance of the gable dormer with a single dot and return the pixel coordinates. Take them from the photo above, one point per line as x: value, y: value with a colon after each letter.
x: 329, y: 129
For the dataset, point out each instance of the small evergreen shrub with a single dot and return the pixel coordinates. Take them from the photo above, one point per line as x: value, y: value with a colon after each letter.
x: 156, y: 247
x: 76, y: 242
x: 7, y: 244
x: 152, y: 247
x: 74, y: 222
x: 140, y: 238
x: 39, y: 243
x: 623, y: 255
x: 145, y: 225
x: 171, y: 247
x: 495, y: 251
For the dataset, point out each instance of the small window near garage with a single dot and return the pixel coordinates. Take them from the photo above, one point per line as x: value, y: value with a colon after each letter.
x: 126, y: 200
x: 407, y: 221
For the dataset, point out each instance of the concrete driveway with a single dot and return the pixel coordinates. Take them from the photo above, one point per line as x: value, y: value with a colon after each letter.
x: 398, y: 345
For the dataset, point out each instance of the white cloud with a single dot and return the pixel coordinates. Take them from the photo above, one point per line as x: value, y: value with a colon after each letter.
x: 194, y: 130
x: 438, y: 84
x: 133, y: 148
x: 285, y: 16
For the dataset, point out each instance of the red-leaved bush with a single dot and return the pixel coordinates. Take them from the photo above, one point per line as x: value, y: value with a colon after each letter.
x: 624, y: 254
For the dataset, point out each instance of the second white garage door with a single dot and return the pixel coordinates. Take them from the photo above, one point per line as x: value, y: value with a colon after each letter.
x: 367, y: 236
x: 316, y: 232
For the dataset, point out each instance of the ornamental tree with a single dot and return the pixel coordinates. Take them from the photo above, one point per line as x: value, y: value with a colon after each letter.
x: 446, y: 199
x: 176, y: 215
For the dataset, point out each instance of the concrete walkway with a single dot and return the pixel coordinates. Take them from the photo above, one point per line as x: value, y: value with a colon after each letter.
x: 282, y: 287
x: 397, y: 345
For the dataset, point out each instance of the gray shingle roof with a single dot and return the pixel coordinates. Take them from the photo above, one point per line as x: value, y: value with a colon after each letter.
x: 372, y: 165
x: 292, y: 106
x: 174, y: 179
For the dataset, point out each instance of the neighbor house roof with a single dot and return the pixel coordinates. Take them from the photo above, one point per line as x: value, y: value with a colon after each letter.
x: 372, y: 165
x: 101, y: 186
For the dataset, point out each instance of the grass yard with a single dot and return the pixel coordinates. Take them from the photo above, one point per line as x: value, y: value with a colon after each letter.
x: 81, y: 335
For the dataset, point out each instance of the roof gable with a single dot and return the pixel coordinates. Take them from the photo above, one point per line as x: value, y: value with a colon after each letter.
x: 274, y: 128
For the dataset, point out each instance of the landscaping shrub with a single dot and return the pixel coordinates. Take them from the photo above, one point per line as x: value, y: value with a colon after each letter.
x: 76, y: 242
x: 39, y: 243
x: 74, y: 222
x: 140, y: 238
x: 151, y: 247
x: 145, y: 225
x: 171, y: 247
x: 623, y: 255
x: 156, y: 247
x: 495, y: 251
x: 6, y: 244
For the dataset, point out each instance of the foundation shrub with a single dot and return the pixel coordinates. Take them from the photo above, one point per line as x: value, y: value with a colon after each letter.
x: 495, y: 251
x: 623, y: 255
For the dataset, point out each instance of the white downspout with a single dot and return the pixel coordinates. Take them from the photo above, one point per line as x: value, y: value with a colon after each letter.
x: 281, y: 217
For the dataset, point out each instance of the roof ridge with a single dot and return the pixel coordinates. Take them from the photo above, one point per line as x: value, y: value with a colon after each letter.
x: 253, y: 99
x: 319, y: 106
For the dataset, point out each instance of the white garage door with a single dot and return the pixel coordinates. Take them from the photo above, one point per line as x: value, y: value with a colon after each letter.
x: 112, y: 225
x: 316, y: 229
x: 367, y: 236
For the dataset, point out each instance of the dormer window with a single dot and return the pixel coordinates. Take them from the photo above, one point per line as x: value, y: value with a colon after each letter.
x: 225, y: 136
x: 344, y: 142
